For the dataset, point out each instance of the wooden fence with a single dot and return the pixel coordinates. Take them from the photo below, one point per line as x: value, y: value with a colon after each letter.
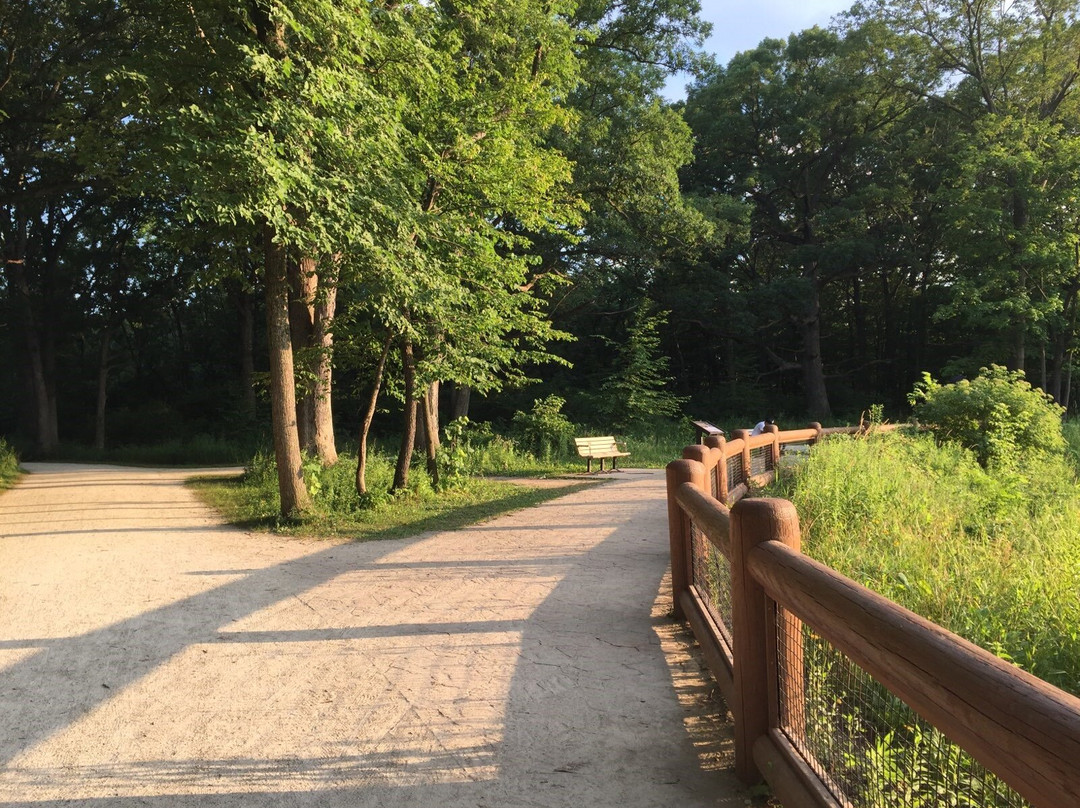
x: 752, y: 624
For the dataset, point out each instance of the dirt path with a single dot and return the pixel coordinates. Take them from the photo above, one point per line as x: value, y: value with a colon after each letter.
x: 151, y: 657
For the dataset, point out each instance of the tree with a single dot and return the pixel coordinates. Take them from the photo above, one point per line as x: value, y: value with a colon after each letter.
x: 281, y: 115
x: 57, y: 113
x: 793, y: 129
x: 638, y: 390
x: 1008, y: 73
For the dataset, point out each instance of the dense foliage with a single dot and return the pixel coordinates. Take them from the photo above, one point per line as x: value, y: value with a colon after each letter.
x: 998, y: 415
x: 9, y: 464
x: 433, y: 210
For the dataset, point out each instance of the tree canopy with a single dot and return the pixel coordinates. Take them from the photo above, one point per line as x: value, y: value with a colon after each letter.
x: 411, y: 202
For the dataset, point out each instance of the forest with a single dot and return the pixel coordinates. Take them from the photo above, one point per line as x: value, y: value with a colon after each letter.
x: 317, y: 220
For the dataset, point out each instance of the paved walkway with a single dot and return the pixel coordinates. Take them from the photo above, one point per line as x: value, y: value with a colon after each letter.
x: 151, y: 657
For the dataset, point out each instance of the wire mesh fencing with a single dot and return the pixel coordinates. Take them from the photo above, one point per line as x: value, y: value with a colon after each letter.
x: 711, y: 577
x: 864, y: 743
x: 761, y: 460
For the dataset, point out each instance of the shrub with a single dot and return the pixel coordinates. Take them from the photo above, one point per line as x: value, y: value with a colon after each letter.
x: 544, y: 431
x: 9, y: 464
x: 999, y: 416
x: 457, y: 455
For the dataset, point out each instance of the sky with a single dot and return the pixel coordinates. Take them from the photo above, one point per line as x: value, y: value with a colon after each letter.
x: 740, y: 25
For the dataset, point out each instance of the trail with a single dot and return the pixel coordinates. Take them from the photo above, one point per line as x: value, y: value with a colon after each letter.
x: 151, y: 656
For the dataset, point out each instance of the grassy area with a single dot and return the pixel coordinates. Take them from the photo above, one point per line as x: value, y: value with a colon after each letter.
x: 252, y: 501
x: 993, y: 556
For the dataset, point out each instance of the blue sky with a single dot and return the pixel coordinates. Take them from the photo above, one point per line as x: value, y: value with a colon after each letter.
x: 739, y: 25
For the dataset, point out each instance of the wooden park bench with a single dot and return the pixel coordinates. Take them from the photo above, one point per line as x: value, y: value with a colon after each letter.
x: 599, y: 449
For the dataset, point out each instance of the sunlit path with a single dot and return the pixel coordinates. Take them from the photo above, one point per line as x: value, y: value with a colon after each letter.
x: 149, y: 656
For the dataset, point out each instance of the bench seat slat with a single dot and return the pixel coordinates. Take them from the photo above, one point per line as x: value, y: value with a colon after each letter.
x: 599, y: 448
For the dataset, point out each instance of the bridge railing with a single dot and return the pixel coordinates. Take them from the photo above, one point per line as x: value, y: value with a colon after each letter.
x: 841, y: 697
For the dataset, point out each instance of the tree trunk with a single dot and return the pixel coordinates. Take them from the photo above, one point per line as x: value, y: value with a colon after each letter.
x: 102, y: 388
x: 42, y: 387
x: 459, y: 401
x: 369, y: 416
x: 294, y: 494
x: 323, y: 341
x: 302, y: 289
x: 1020, y: 225
x: 245, y: 316
x: 1068, y: 383
x: 312, y: 305
x: 859, y: 350
x: 408, y: 435
x: 430, y: 410
x: 813, y: 371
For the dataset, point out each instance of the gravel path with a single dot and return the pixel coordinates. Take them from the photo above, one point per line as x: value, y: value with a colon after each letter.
x: 150, y: 656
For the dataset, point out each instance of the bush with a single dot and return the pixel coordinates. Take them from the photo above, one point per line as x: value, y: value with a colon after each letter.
x: 544, y: 431
x: 9, y: 465
x: 999, y: 416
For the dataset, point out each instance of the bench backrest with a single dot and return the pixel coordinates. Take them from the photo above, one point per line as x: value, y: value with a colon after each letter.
x: 594, y: 446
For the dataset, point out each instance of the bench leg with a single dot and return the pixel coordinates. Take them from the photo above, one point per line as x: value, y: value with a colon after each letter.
x: 614, y: 464
x: 601, y: 464
x: 588, y: 465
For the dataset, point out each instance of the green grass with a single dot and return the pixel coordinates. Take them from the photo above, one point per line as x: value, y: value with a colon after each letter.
x: 994, y: 557
x: 252, y: 501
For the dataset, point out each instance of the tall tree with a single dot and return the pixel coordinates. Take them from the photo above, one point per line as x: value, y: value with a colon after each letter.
x: 1009, y: 74
x: 272, y: 113
x: 792, y: 129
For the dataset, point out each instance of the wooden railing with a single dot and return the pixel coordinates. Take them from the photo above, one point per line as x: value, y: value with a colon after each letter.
x: 751, y: 630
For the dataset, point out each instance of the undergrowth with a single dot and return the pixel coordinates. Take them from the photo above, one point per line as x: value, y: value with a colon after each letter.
x: 251, y: 501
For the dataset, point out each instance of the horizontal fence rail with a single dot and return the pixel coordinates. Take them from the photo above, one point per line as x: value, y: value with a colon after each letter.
x: 841, y: 697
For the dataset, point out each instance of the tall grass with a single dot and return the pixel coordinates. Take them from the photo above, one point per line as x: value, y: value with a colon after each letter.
x: 992, y: 556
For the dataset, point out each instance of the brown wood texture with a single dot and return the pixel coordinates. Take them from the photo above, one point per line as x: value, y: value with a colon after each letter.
x: 714, y: 645
x: 798, y: 435
x: 753, y: 521
x: 1016, y: 725
x: 712, y: 459
x: 678, y: 473
x: 712, y: 517
x: 792, y: 781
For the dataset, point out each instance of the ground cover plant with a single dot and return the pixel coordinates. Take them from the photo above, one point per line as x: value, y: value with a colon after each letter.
x: 474, y: 461
x: 251, y: 501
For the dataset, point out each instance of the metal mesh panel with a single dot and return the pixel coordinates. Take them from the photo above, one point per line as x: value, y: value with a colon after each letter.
x: 714, y: 482
x: 761, y: 460
x: 865, y: 744
x: 712, y: 579
x: 735, y: 471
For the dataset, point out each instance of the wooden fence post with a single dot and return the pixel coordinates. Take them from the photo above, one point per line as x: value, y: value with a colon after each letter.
x: 744, y: 436
x: 679, y: 472
x: 820, y: 432
x: 774, y: 430
x: 723, y: 484
x: 754, y: 521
